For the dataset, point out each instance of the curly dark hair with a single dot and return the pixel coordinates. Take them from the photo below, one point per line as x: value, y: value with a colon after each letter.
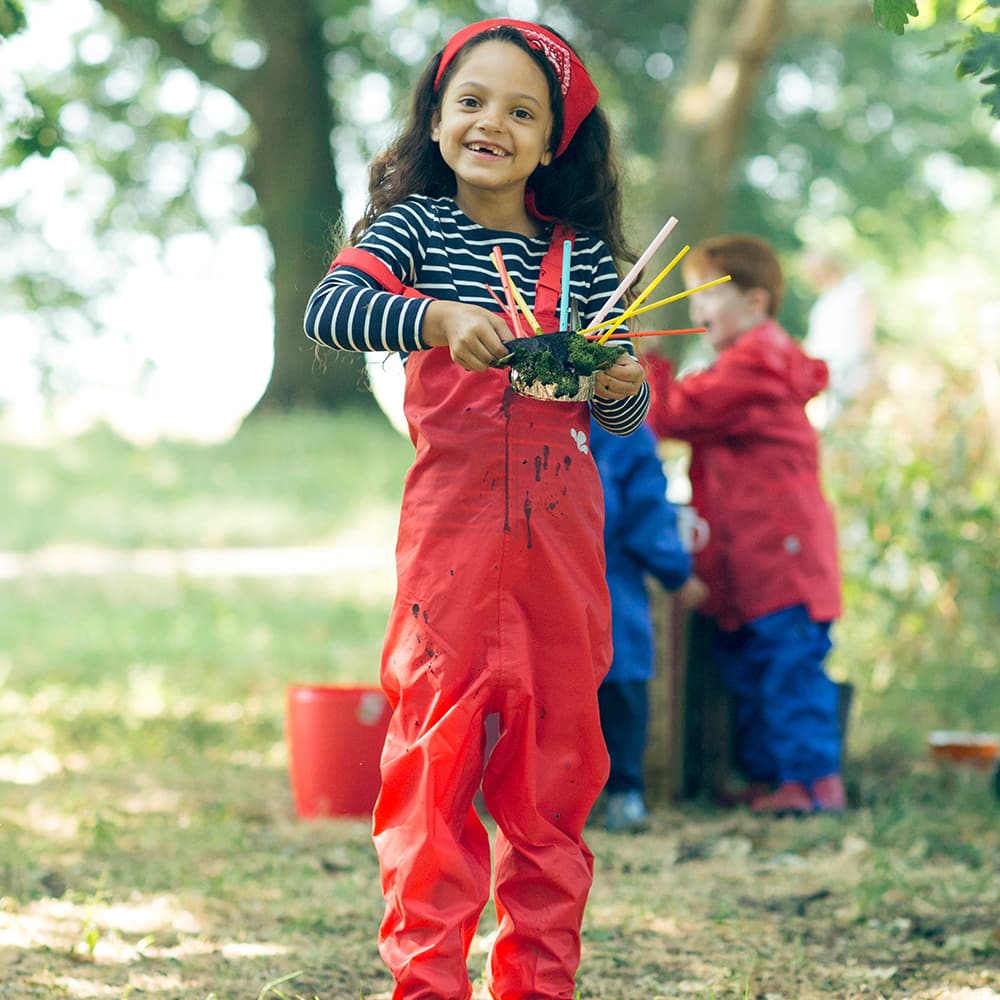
x: 581, y: 188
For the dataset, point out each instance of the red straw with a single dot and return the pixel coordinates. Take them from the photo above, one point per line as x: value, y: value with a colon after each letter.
x: 497, y: 257
x: 497, y: 299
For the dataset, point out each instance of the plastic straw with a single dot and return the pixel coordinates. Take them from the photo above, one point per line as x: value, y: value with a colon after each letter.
x: 497, y: 299
x: 528, y: 315
x: 497, y: 257
x: 656, y: 305
x: 630, y: 312
x: 564, y: 291
x: 625, y: 335
x: 636, y: 268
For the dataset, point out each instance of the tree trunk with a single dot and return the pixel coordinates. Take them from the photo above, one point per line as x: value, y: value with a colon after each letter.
x: 292, y: 173
x: 294, y: 176
x: 703, y: 127
x: 729, y: 45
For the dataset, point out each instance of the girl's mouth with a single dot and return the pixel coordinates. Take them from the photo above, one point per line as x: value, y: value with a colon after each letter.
x: 486, y: 149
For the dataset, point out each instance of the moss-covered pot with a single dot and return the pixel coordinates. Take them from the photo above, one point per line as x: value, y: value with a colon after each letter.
x: 558, y: 366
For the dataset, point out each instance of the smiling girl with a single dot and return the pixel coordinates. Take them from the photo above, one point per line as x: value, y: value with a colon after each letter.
x: 502, y: 606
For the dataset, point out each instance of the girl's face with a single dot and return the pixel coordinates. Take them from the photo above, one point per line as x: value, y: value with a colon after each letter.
x: 726, y: 311
x: 494, y: 124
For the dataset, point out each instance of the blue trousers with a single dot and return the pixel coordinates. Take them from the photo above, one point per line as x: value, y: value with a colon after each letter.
x: 624, y: 720
x: 787, y: 727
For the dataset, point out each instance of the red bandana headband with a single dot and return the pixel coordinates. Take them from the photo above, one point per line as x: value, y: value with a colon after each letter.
x: 578, y: 91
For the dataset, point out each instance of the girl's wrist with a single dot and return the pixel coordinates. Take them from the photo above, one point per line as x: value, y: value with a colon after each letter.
x: 432, y: 329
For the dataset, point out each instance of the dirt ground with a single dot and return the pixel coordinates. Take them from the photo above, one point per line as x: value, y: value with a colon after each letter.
x: 232, y: 897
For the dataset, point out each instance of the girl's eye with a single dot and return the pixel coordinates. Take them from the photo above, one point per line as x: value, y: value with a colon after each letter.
x: 468, y: 102
x: 523, y: 114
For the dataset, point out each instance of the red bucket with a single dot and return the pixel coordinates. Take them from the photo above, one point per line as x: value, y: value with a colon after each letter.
x: 335, y: 737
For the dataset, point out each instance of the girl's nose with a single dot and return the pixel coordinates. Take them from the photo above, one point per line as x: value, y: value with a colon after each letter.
x: 489, y: 120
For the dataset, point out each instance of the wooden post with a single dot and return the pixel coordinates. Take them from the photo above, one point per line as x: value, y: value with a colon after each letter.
x: 690, y: 748
x: 665, y: 750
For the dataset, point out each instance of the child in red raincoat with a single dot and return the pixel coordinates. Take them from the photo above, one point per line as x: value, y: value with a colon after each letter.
x: 502, y: 605
x: 771, y: 561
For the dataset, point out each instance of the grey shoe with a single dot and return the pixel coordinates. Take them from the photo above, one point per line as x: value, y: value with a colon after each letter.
x: 626, y: 812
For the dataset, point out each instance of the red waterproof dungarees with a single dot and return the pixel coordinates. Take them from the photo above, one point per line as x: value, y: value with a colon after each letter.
x: 502, y: 607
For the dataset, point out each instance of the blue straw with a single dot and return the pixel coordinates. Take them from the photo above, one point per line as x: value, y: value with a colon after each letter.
x: 564, y: 297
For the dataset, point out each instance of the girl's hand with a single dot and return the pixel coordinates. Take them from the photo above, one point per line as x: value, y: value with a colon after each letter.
x: 624, y: 378
x: 473, y: 335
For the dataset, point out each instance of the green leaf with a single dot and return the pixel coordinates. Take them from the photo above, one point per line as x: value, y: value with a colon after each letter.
x: 982, y: 52
x: 893, y: 14
x: 12, y: 19
x: 992, y: 96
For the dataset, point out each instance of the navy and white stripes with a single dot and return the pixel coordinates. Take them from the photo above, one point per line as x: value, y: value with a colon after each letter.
x: 430, y: 245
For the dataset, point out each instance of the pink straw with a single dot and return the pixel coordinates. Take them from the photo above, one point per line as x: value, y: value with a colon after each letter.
x: 636, y: 268
x: 497, y: 258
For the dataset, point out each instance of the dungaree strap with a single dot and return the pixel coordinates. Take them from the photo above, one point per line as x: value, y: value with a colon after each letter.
x: 549, y: 286
x: 368, y: 263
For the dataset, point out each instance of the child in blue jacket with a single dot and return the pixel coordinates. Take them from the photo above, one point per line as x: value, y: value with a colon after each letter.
x: 640, y: 538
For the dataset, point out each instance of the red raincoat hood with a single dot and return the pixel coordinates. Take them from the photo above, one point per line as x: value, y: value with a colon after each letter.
x: 772, y: 349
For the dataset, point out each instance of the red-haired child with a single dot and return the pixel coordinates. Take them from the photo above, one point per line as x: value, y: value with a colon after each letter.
x: 771, y: 562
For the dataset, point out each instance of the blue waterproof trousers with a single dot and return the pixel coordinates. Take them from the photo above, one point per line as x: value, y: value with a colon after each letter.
x: 787, y: 727
x: 624, y: 722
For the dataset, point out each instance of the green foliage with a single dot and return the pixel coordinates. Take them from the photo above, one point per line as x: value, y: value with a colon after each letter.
x: 37, y: 131
x: 801, y: 182
x: 893, y: 15
x: 914, y: 475
x: 12, y: 19
x: 839, y: 129
x: 981, y: 57
x: 980, y: 47
x: 139, y: 162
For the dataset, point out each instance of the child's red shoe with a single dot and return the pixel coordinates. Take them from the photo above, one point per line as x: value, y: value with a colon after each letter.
x: 828, y: 794
x: 734, y: 796
x: 790, y: 797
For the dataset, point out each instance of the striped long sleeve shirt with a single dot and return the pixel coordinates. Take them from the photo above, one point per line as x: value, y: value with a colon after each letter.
x: 432, y: 246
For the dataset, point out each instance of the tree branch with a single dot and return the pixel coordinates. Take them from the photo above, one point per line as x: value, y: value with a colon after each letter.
x: 141, y: 20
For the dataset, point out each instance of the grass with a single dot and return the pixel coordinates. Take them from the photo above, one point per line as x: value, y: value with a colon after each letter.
x: 147, y: 819
x: 241, y: 638
x: 148, y: 844
x: 280, y: 481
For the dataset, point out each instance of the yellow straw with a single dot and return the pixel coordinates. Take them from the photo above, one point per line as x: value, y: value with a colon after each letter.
x: 519, y: 299
x: 656, y: 305
x: 625, y: 316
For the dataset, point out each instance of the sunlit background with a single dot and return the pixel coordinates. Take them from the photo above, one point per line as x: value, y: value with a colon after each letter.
x: 180, y: 343
x: 177, y: 339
